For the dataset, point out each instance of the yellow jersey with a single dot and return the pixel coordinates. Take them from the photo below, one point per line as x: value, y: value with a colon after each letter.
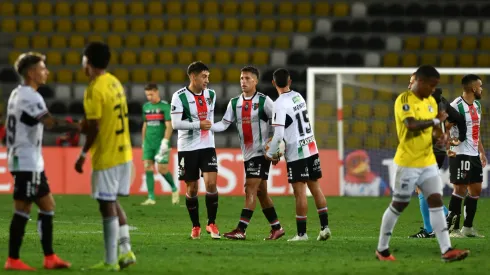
x: 415, y: 147
x: 105, y: 101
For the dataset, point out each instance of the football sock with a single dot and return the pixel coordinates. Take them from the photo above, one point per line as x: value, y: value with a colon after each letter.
x: 440, y: 228
x: 455, y: 209
x: 323, y: 215
x: 245, y: 218
x: 470, y: 204
x: 111, y: 228
x: 301, y: 225
x: 45, y: 230
x: 390, y: 217
x: 212, y: 206
x: 150, y: 184
x: 168, y: 177
x: 193, y: 207
x: 424, y: 210
x: 271, y: 215
x: 17, y: 230
x: 124, y: 240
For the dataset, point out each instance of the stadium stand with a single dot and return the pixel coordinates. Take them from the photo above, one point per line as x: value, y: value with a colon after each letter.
x: 155, y: 40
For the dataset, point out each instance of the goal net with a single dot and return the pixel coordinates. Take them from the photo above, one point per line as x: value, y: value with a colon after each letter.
x: 351, y: 110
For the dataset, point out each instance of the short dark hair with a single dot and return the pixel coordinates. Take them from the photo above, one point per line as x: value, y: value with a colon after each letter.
x: 427, y: 71
x: 26, y: 60
x: 151, y: 87
x: 196, y: 68
x: 98, y: 54
x: 281, y: 77
x: 467, y: 79
x: 251, y: 69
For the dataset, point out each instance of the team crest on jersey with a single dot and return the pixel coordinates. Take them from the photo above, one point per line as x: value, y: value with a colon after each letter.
x: 256, y: 106
x: 200, y: 101
x: 431, y: 109
x: 406, y: 107
x: 246, y: 106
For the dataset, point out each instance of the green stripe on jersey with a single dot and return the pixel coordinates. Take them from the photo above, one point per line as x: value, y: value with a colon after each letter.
x: 186, y: 110
x: 300, y: 152
x: 261, y: 113
x: 479, y: 106
x: 211, y: 95
x: 461, y: 109
x: 234, y: 102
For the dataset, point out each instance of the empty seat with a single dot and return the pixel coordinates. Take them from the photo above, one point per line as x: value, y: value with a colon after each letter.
x: 64, y: 76
x: 27, y: 26
x: 222, y: 57
x: 25, y: 9
x: 485, y: 43
x: 300, y: 42
x: 379, y: 127
x: 99, y: 8
x: 337, y: 43
x: 434, y: 27
x: 188, y: 40
x: 7, y: 9
x: 359, y: 9
x: 335, y: 59
x: 396, y: 26
x: 448, y: 60
x: 207, y: 40
x: 247, y: 8
x: 147, y: 57
x: 81, y: 9
x: 118, y: 8
x: 433, y: 10
x: 205, y: 57
x: 132, y: 41
x: 76, y: 41
x: 100, y: 25
x: 184, y: 57
x: 226, y: 41
x: 53, y: 58
x: 73, y: 58
x: 9, y: 25
x: 139, y: 76
x: 451, y: 10
x: 45, y: 25
x: 340, y: 9
x: 62, y: 9
x: 249, y: 25
x: 390, y: 60
x: 58, y: 41
x: 155, y: 8
x: 393, y: 43
x: 297, y: 58
x: 318, y: 42
x: 466, y: 60
x: 483, y: 60
x: 244, y: 41
x: 177, y: 76
x: 128, y: 58
x: 471, y: 27
x: 286, y: 25
x: 39, y: 42
x: 450, y: 43
x: 431, y: 43
x: 378, y: 26
x: 266, y: 8
x: 21, y: 42
x: 413, y: 9
x: 281, y: 42
x: 323, y: 26
x: 81, y: 25
x: 428, y: 59
x: 262, y: 41
x: 65, y: 25
x: 76, y: 108
x: 191, y: 8
x: 241, y: 57
x: 395, y: 10
x: 468, y: 43
x: 381, y: 111
x: 341, y: 26
x: 304, y: 25
x: 175, y: 25
x: 211, y: 24
x: 354, y: 60
x: 156, y: 25
x: 58, y: 108
x: 453, y: 27
x: 410, y: 60
x: 169, y: 40
x: 372, y: 59
x: 210, y: 7
x: 230, y: 8
x: 138, y: 25
x: 278, y: 58
x: 174, y: 8
x: 359, y: 26
x: 268, y: 25
x: 231, y: 24
x: 81, y: 77
x: 316, y: 59
x: 412, y: 43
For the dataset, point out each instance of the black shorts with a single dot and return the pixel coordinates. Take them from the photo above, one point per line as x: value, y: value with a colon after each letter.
x: 193, y: 163
x: 440, y: 158
x: 464, y: 169
x: 257, y: 167
x: 303, y: 170
x: 30, y: 186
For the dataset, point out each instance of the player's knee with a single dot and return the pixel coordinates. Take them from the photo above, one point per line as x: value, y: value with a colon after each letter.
x: 148, y: 165
x: 399, y: 206
x: 192, y: 188
x: 475, y: 189
x: 162, y: 169
x: 460, y: 189
x: 299, y: 189
x: 435, y: 200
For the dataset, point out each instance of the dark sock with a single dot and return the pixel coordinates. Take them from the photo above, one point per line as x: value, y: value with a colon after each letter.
x: 301, y: 225
x: 385, y: 253
x: 455, y: 210
x: 245, y: 218
x: 271, y: 216
x: 193, y: 207
x: 17, y: 230
x: 212, y: 206
x: 45, y: 229
x: 470, y: 204
x: 170, y: 179
x: 323, y: 215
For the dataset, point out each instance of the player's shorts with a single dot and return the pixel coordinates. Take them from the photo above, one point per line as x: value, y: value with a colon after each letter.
x: 193, y: 163
x: 440, y: 158
x: 30, y: 186
x: 257, y: 167
x: 303, y: 170
x: 427, y: 179
x: 110, y: 183
x: 150, y: 153
x: 464, y: 169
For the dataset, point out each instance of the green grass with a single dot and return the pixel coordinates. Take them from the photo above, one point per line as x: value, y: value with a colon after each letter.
x: 162, y: 245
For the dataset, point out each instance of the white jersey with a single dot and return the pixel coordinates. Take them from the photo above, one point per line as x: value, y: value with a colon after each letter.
x: 252, y: 117
x: 24, y: 130
x: 290, y: 111
x: 472, y: 115
x: 193, y: 108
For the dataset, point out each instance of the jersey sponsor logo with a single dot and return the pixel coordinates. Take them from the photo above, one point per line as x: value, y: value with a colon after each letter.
x: 296, y: 99
x: 213, y: 162
x: 406, y: 107
x: 202, y: 115
x: 299, y: 106
x: 306, y: 141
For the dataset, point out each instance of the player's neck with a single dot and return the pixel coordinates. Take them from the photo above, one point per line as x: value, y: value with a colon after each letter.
x: 31, y: 84
x: 249, y: 94
x: 281, y: 91
x: 195, y: 90
x: 97, y: 73
x: 156, y: 101
x: 418, y: 95
x: 469, y: 97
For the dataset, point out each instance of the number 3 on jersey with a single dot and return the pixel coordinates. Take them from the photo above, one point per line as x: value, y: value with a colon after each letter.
x: 303, y: 123
x: 122, y: 111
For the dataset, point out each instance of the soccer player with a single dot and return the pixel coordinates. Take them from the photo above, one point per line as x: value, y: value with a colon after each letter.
x: 157, y: 131
x: 291, y: 124
x: 107, y: 138
x: 27, y: 115
x: 416, y: 113
x: 192, y: 115
x: 252, y: 112
x: 466, y: 166
x: 440, y: 153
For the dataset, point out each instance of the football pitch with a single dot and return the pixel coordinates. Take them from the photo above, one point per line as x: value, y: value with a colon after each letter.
x: 162, y: 245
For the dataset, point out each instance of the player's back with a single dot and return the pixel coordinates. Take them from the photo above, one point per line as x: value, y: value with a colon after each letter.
x: 298, y: 133
x: 105, y: 101
x: 415, y: 147
x: 472, y: 115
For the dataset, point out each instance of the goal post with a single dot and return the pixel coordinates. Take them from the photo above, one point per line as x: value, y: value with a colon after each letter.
x: 351, y: 110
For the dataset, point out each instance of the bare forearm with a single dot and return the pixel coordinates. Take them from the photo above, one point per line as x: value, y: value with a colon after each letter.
x: 168, y: 133
x: 61, y: 126
x: 417, y: 125
x: 143, y: 133
x: 90, y: 139
x: 480, y: 147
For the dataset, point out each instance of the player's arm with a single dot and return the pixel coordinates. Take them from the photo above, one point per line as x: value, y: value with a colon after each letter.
x: 37, y: 111
x: 93, y: 113
x: 405, y: 113
x: 268, y: 109
x: 143, y: 132
x: 483, y: 156
x: 58, y: 125
x: 177, y: 114
x: 278, y: 122
x: 226, y: 121
x: 456, y: 118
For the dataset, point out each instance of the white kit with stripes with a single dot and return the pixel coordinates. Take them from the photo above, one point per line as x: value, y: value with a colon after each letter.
x: 472, y: 115
x: 24, y: 130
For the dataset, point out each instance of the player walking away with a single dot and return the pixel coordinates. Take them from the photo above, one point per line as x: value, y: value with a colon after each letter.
x: 157, y: 131
x: 466, y: 166
x: 291, y: 124
x: 416, y: 113
x: 252, y: 111
x: 440, y: 153
x: 27, y: 115
x: 192, y: 115
x: 109, y: 143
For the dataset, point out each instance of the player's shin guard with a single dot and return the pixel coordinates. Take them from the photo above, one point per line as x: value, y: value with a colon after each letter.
x: 454, y: 210
x: 170, y: 179
x: 124, y: 240
x: 390, y: 217
x: 440, y: 228
x: 323, y: 215
x: 150, y: 184
x: 17, y: 231
x: 45, y: 230
x: 111, y: 228
x: 245, y: 218
x: 212, y: 206
x: 271, y: 216
x: 470, y: 204
x: 424, y: 210
x: 301, y: 225
x: 193, y: 207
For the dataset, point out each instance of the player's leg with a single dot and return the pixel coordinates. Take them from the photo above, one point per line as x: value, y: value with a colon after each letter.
x: 460, y: 183
x: 208, y: 164
x: 269, y: 211
x: 148, y: 156
x: 475, y: 176
x: 298, y: 176
x: 315, y: 173
x: 164, y: 171
x: 189, y: 172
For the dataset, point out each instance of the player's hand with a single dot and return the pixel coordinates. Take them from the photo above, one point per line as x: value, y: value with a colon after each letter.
x: 205, y: 124
x: 79, y: 164
x: 164, y: 146
x: 454, y: 141
x: 442, y: 140
x: 483, y: 159
x: 442, y: 116
x: 451, y: 153
x: 276, y: 161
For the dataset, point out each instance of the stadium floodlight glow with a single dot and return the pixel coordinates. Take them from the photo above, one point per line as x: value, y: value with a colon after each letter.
x: 340, y: 77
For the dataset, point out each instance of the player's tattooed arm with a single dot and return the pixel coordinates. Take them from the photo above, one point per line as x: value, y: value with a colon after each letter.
x: 416, y: 125
x: 58, y: 125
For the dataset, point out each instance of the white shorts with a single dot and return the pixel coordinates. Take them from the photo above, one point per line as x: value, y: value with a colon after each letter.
x: 109, y: 183
x: 427, y: 179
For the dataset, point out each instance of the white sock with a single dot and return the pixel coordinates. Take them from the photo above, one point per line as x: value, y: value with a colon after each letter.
x: 124, y: 241
x: 439, y: 226
x: 387, y: 224
x: 111, y: 227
